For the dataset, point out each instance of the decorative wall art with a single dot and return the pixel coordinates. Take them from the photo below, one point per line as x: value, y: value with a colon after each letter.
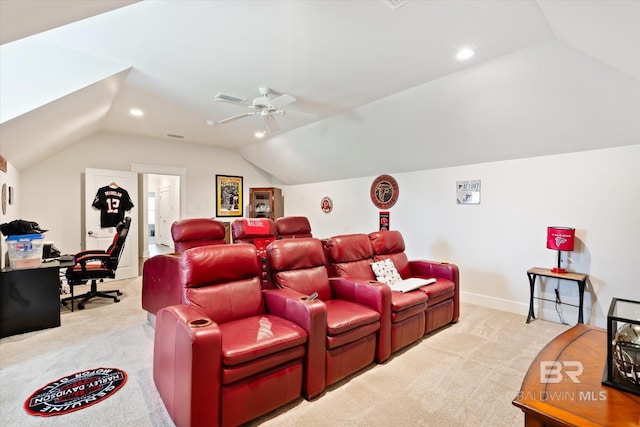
x: 384, y: 192
x: 468, y: 192
x: 326, y: 204
x: 228, y: 195
x: 384, y: 221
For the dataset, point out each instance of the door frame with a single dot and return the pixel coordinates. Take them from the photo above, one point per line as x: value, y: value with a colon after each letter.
x: 143, y: 170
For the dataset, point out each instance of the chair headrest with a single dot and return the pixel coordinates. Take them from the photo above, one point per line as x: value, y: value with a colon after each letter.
x: 386, y: 242
x: 246, y: 229
x: 125, y: 223
x: 293, y: 226
x: 295, y: 254
x: 349, y: 248
x: 197, y: 229
x: 214, y: 264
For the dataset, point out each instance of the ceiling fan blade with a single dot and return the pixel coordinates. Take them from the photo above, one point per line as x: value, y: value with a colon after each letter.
x: 239, y: 116
x: 272, y: 124
x: 282, y: 100
x: 303, y: 115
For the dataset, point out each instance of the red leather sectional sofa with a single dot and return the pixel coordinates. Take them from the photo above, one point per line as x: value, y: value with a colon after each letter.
x: 228, y: 349
x: 351, y: 256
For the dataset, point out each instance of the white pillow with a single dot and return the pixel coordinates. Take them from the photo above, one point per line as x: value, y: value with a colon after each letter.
x: 386, y: 271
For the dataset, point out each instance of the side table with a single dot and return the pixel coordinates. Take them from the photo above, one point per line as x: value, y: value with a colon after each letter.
x: 579, y: 278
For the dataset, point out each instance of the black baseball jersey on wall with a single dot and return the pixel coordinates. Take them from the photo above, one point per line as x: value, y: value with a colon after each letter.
x: 112, y: 203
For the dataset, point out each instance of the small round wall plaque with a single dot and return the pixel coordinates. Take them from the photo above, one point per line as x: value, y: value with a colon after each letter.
x: 384, y: 192
x: 326, y: 204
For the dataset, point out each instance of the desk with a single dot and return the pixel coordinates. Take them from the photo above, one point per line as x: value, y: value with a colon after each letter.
x: 548, y: 400
x: 29, y: 299
x: 579, y: 278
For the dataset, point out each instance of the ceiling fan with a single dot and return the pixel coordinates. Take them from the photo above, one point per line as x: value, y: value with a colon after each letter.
x: 265, y: 107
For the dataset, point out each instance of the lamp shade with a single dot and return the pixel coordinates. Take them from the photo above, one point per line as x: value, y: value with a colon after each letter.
x: 561, y: 238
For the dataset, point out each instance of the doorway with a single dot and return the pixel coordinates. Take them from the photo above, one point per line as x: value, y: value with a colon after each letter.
x: 163, y: 208
x: 144, y: 171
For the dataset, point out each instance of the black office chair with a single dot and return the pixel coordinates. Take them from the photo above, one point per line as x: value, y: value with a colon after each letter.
x: 94, y: 265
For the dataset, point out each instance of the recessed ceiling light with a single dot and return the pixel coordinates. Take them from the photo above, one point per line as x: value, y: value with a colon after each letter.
x: 136, y: 112
x: 465, y: 53
x: 259, y: 134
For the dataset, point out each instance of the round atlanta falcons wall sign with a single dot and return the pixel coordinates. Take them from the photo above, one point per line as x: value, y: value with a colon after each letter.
x: 75, y: 392
x: 384, y: 191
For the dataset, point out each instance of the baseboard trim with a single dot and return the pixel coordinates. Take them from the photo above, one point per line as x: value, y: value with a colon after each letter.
x: 548, y: 313
x: 495, y: 303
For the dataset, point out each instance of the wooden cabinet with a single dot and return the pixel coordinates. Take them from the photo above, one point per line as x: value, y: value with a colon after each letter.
x: 266, y: 202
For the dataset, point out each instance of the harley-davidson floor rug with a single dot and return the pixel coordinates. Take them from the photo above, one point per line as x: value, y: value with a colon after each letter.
x: 75, y: 392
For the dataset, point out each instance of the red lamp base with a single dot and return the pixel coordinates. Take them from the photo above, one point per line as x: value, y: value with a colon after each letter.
x: 558, y: 270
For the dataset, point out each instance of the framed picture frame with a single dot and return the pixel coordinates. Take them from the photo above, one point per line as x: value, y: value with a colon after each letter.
x: 468, y: 192
x: 229, y: 195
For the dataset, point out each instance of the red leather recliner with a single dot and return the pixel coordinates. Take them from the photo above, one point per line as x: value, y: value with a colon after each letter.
x: 194, y: 232
x: 351, y: 255
x: 358, y: 312
x: 293, y: 227
x: 443, y: 306
x: 259, y: 232
x: 160, y: 274
x: 231, y: 352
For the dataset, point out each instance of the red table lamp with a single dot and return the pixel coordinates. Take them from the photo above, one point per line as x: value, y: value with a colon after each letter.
x: 560, y: 239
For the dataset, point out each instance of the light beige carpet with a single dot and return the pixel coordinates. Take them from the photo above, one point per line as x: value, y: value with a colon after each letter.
x: 464, y: 375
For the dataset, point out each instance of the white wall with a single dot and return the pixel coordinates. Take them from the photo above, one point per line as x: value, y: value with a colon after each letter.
x: 52, y: 190
x: 495, y: 242
x: 12, y: 179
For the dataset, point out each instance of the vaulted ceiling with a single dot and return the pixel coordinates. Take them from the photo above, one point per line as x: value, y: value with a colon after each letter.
x: 377, y: 85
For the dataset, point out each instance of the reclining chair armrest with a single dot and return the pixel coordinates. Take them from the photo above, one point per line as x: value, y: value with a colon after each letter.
x: 161, y: 282
x: 312, y: 317
x: 444, y: 270
x: 364, y: 292
x: 374, y: 295
x: 187, y: 365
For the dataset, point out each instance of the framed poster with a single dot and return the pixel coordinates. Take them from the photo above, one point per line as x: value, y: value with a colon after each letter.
x: 228, y: 195
x: 468, y: 192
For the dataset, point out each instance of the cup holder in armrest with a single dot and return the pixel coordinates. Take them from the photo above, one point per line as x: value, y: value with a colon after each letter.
x: 199, y: 323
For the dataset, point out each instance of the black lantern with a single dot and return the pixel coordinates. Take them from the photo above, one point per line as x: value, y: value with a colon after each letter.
x: 623, y: 346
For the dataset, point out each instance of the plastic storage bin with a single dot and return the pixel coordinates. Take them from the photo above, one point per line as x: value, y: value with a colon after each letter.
x: 25, y: 250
